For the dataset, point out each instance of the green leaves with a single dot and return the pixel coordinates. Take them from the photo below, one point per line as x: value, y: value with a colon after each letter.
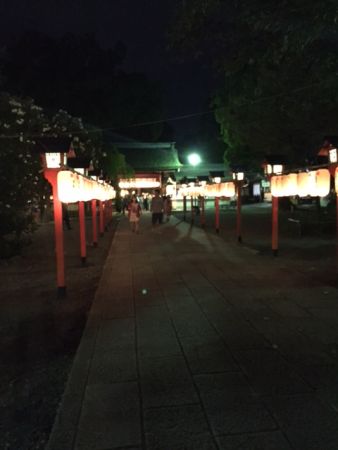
x: 279, y: 67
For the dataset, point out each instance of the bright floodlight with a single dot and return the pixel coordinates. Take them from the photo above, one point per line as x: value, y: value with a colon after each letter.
x: 194, y: 159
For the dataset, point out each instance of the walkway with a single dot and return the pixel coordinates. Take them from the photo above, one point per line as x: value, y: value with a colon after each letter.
x: 195, y: 344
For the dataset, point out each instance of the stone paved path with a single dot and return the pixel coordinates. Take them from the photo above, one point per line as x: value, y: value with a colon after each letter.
x: 195, y: 344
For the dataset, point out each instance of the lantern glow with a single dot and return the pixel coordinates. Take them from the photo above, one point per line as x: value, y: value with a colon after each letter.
x: 194, y: 159
x: 315, y: 183
x: 73, y: 187
x: 139, y: 183
x: 333, y: 155
x: 53, y: 160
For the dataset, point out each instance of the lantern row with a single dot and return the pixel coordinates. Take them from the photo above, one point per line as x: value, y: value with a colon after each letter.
x: 139, y: 183
x: 315, y: 183
x: 73, y: 187
x: 209, y: 190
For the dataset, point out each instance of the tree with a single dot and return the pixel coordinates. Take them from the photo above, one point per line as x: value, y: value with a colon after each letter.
x: 23, y: 188
x: 278, y: 68
x: 20, y: 121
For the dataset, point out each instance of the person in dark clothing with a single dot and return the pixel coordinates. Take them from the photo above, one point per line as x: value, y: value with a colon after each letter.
x: 65, y: 216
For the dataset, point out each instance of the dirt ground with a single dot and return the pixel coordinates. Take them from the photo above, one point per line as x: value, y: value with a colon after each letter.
x: 39, y: 334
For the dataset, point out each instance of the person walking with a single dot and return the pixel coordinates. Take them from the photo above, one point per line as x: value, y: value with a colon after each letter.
x: 167, y: 207
x: 134, y: 214
x: 156, y: 209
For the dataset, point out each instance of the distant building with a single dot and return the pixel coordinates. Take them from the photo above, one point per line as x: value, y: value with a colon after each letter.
x: 153, y: 163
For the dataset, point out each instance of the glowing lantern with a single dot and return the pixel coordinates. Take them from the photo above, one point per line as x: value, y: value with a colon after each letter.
x: 315, y: 183
x: 322, y: 182
x: 72, y: 188
x: 54, y: 160
x: 303, y: 181
x: 139, y: 183
x: 227, y: 189
x: 333, y: 156
x: 290, y: 185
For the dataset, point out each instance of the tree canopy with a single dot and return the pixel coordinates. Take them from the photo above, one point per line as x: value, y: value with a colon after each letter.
x: 278, y: 68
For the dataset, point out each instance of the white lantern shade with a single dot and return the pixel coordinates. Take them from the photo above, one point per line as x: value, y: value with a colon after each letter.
x: 290, y: 185
x: 139, y: 183
x: 53, y: 160
x: 323, y: 179
x: 333, y: 155
x: 315, y: 183
x: 73, y: 187
x: 277, y: 169
x: 228, y: 189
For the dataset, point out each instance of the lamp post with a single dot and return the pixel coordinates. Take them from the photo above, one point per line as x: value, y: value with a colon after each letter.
x: 94, y: 175
x: 238, y: 177
x: 274, y: 167
x: 53, y: 155
x: 202, y: 203
x: 194, y: 159
x: 81, y: 165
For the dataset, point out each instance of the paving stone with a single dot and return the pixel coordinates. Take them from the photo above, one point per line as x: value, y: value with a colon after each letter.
x: 231, y: 406
x: 207, y: 354
x: 190, y: 321
x: 177, y: 428
x: 272, y: 440
x: 166, y: 382
x: 116, y: 335
x: 288, y: 309
x: 111, y: 367
x: 61, y: 439
x: 118, y: 308
x: 268, y: 373
x: 155, y: 334
x: 110, y: 417
x: 308, y: 423
x: 148, y: 297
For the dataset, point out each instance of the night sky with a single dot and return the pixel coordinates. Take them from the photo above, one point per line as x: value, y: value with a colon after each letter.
x: 141, y: 25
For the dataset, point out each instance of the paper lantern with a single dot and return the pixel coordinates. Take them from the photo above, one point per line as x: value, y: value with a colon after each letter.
x: 290, y: 185
x: 277, y: 186
x: 73, y: 187
x: 323, y: 179
x: 228, y: 189
x: 315, y: 183
x: 139, y: 183
x: 306, y: 183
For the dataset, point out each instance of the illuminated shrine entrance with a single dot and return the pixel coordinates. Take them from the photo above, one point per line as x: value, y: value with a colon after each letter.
x: 140, y: 183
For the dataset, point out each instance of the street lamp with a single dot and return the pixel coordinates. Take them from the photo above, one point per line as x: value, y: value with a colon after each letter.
x: 81, y: 166
x: 333, y: 156
x: 238, y: 177
x: 194, y: 159
x: 274, y: 165
x: 53, y: 153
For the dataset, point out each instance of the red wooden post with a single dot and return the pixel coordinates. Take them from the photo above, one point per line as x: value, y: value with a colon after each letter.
x: 101, y: 218
x: 275, y: 225
x: 94, y: 220
x: 337, y: 232
x: 82, y: 223
x: 192, y: 209
x: 217, y: 214
x: 51, y: 176
x: 239, y: 212
x: 202, y: 213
